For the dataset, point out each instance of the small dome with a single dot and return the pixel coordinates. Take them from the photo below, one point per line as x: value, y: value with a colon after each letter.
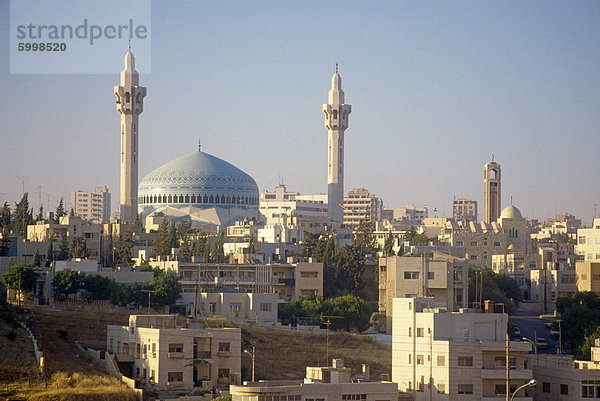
x: 511, y: 212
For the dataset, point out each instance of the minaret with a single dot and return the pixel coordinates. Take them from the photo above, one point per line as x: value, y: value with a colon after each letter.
x: 491, y: 191
x: 130, y: 104
x: 336, y: 122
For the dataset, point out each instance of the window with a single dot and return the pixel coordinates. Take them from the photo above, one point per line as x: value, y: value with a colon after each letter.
x: 441, y: 360
x: 459, y: 243
x: 500, y: 389
x: 431, y: 275
x: 409, y: 359
x: 465, y: 389
x: 473, y: 257
x: 411, y: 275
x: 582, y: 240
x: 265, y: 307
x: 441, y: 388
x: 175, y: 376
x: 473, y: 243
x: 309, y: 274
x: 223, y: 373
x: 546, y: 387
x: 354, y: 397
x: 235, y: 307
x: 420, y: 332
x: 420, y: 360
x: 564, y: 389
x: 223, y: 347
x: 465, y: 361
x: 410, y: 331
x: 174, y: 347
x: 587, y: 391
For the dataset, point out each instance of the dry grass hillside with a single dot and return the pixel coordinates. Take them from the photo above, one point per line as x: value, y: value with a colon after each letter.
x: 283, y: 354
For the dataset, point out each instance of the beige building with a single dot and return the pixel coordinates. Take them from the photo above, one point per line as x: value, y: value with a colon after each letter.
x: 560, y: 378
x: 359, y: 206
x: 480, y: 241
x: 334, y: 383
x: 234, y: 306
x: 588, y: 276
x: 464, y: 209
x: 492, y: 197
x: 443, y: 277
x: 441, y: 355
x: 69, y: 226
x: 588, y: 242
x: 287, y: 280
x: 93, y: 206
x: 153, y: 349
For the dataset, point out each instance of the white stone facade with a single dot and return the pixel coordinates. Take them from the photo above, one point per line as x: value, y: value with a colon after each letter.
x: 93, y: 206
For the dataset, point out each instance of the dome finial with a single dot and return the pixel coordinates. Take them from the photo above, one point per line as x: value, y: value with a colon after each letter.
x: 129, y: 44
x: 199, y: 145
x: 336, y: 68
x: 492, y: 157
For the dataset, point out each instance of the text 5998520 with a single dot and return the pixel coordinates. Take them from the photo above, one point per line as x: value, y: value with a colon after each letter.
x: 42, y: 47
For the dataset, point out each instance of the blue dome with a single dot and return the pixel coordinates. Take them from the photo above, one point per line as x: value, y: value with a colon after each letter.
x: 199, y: 180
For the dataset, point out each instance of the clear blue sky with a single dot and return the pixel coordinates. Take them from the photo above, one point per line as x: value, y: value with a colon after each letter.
x: 436, y: 87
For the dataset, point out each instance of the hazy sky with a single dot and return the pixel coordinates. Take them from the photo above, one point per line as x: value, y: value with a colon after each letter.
x: 436, y: 87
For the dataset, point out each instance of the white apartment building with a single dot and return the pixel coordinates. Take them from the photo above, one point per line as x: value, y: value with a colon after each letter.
x: 93, y: 206
x: 234, y: 306
x: 441, y: 355
x: 283, y: 208
x: 410, y: 214
x: 158, y: 352
x: 443, y: 277
x: 360, y: 205
x: 588, y: 242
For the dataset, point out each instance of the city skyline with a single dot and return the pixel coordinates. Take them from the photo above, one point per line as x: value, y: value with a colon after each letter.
x: 435, y: 88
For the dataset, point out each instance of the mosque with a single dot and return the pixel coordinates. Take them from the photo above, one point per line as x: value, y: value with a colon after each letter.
x: 209, y: 190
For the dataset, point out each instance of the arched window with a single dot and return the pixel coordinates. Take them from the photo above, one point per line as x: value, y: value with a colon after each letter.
x: 211, y: 199
x: 217, y: 199
x: 170, y: 199
x: 228, y: 200
x: 193, y: 199
x: 180, y: 198
x: 222, y: 198
x: 205, y: 199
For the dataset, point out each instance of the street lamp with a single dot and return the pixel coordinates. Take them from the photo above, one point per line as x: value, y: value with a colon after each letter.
x: 531, y: 382
x: 252, y: 355
x: 532, y: 343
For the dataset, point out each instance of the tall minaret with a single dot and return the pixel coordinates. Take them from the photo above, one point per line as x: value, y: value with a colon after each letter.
x: 130, y: 104
x: 491, y: 191
x: 336, y: 122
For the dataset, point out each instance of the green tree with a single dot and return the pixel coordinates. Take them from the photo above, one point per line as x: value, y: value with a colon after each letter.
x: 584, y: 352
x: 50, y: 251
x: 124, y: 247
x: 218, y: 253
x: 23, y: 216
x: 162, y: 245
x: 167, y: 287
x: 201, y: 247
x: 580, y: 314
x: 37, y: 258
x: 5, y: 241
x: 40, y: 215
x: 350, y: 270
x: 364, y: 239
x: 102, y: 288
x: 173, y: 242
x: 72, y: 212
x: 354, y: 310
x: 5, y: 216
x: 67, y: 282
x: 21, y: 277
x: 64, y: 250
x: 415, y: 238
x: 496, y: 287
x: 388, y: 246
x: 79, y: 248
x: 184, y: 233
x: 60, y: 209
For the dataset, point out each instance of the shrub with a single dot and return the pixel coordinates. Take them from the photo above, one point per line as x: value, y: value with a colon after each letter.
x: 12, y: 334
x: 62, y: 334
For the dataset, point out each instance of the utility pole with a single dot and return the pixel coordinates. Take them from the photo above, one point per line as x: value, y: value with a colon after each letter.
x: 149, y: 293
x: 507, y: 366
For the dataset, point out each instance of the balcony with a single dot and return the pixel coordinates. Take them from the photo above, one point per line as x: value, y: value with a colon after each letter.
x: 224, y: 354
x: 202, y: 355
x: 503, y: 397
x: 500, y: 374
x: 175, y: 355
x: 124, y: 357
x: 177, y: 384
x: 224, y: 380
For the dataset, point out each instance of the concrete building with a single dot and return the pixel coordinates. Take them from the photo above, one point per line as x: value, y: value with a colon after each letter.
x: 480, y: 241
x: 359, y: 206
x: 492, y: 199
x: 93, y: 206
x: 287, y: 280
x: 283, y: 208
x: 443, y: 277
x: 588, y: 276
x: 588, y: 242
x: 439, y: 355
x: 561, y: 378
x: 336, y: 122
x: 130, y: 104
x: 158, y: 352
x: 234, y: 306
x: 334, y: 383
x: 409, y: 215
x: 464, y: 209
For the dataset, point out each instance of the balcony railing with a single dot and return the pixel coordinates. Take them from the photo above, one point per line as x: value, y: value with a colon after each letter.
x: 175, y: 355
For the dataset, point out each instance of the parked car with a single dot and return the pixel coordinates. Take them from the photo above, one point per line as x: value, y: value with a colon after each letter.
x: 548, y: 325
x: 541, y: 343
